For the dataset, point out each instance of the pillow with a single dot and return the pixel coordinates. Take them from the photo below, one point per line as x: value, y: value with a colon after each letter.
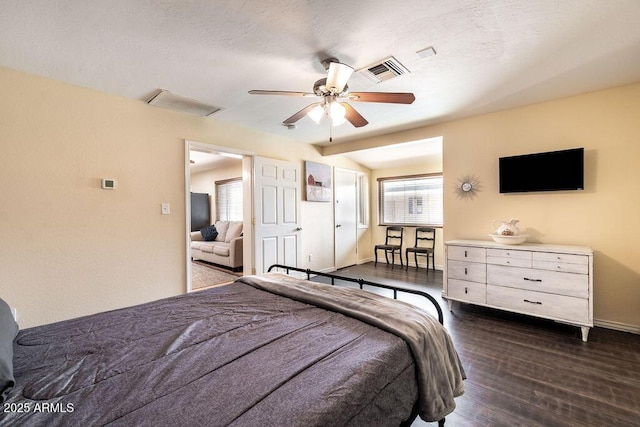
x: 235, y: 230
x: 222, y: 227
x: 209, y: 233
x: 8, y: 332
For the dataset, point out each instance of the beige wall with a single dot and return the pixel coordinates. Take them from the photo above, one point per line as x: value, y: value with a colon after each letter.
x: 379, y: 231
x: 69, y: 248
x: 603, y: 216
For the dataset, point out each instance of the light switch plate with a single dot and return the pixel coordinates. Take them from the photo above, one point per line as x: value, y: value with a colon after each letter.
x: 166, y: 209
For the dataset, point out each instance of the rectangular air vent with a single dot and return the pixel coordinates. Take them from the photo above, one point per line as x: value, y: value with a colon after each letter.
x: 166, y: 99
x: 385, y: 70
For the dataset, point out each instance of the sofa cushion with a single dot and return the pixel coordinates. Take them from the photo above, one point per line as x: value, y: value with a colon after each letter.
x: 196, y: 244
x: 221, y: 250
x: 209, y: 233
x: 208, y: 248
x: 235, y: 230
x: 222, y: 227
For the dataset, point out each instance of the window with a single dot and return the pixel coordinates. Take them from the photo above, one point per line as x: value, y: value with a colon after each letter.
x: 363, y: 200
x: 411, y: 200
x: 229, y: 200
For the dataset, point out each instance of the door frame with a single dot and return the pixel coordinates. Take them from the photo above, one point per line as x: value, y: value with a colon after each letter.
x: 247, y: 200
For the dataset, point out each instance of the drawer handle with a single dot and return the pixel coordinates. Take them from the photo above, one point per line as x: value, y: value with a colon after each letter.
x: 533, y: 280
x: 466, y: 291
x: 465, y: 254
x: 533, y: 302
x: 465, y: 270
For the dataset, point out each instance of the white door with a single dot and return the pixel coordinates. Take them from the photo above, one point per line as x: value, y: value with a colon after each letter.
x: 277, y: 213
x: 345, y: 211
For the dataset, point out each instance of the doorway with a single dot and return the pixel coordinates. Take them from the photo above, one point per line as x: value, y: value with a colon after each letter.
x: 204, y: 165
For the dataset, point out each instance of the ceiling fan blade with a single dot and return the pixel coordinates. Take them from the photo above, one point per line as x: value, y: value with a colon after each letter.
x: 353, y: 116
x: 338, y: 76
x: 300, y: 114
x: 281, y: 92
x: 388, y: 97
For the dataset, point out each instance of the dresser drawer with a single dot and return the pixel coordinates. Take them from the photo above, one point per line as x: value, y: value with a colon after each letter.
x: 467, y: 253
x: 514, y: 262
x: 570, y: 309
x: 560, y: 258
x: 509, y: 257
x: 467, y: 291
x: 561, y: 266
x: 470, y: 271
x: 553, y: 282
x: 509, y: 253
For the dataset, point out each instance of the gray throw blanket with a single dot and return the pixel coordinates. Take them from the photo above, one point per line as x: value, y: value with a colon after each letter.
x: 440, y: 373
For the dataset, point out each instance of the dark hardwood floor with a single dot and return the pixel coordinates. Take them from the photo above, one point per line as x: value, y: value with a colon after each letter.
x: 523, y: 371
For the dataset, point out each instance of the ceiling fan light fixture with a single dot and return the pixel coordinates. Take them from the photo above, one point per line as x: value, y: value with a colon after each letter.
x: 337, y: 113
x: 338, y: 76
x: 332, y: 89
x: 338, y: 121
x: 316, y: 113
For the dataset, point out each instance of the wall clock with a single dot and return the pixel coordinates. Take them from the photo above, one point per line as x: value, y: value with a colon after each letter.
x: 467, y: 187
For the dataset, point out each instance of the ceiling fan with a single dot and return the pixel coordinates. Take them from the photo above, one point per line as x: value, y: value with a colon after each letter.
x: 332, y: 90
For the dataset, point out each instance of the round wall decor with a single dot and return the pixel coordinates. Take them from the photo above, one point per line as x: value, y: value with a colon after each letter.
x: 467, y: 187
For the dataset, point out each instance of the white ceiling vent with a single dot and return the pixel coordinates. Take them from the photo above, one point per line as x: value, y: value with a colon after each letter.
x: 385, y: 70
x: 166, y: 99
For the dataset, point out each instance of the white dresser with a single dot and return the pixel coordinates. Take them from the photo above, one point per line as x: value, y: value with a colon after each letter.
x: 549, y: 281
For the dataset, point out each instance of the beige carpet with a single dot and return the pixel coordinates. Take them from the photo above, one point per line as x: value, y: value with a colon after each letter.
x: 204, y: 276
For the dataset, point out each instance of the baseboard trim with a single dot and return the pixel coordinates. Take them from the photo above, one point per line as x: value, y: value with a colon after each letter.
x: 366, y: 260
x: 623, y: 327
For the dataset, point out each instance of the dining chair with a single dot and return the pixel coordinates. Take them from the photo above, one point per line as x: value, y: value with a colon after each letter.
x: 424, y: 246
x: 392, y: 243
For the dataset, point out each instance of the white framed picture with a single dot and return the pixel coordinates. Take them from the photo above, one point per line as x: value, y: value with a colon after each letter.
x: 318, y: 181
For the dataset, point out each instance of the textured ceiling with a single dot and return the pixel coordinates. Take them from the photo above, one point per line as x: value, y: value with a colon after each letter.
x: 491, y: 54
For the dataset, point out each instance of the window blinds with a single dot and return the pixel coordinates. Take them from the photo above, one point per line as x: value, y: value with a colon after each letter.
x: 229, y: 200
x: 413, y: 200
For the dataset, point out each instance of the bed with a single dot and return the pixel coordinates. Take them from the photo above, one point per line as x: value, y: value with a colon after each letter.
x: 266, y: 350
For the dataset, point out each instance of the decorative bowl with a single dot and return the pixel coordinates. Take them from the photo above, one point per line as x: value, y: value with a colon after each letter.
x: 509, y: 240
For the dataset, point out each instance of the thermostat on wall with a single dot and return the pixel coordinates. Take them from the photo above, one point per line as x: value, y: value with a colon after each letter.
x: 108, y: 184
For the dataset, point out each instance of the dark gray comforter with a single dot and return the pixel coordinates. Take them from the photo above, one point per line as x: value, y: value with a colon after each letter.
x: 233, y: 355
x: 439, y: 371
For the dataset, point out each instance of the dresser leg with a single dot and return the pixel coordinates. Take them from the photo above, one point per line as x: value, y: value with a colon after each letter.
x: 585, y: 332
x: 450, y: 302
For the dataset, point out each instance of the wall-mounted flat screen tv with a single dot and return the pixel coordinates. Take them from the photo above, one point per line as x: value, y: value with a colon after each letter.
x: 551, y: 171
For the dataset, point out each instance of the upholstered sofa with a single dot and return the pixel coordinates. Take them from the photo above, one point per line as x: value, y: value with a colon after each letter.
x: 225, y: 249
